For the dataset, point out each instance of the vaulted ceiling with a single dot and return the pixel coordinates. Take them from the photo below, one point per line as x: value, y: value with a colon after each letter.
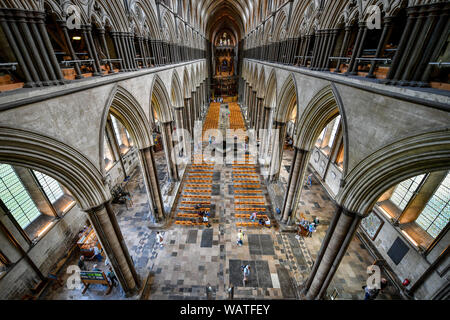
x: 237, y: 15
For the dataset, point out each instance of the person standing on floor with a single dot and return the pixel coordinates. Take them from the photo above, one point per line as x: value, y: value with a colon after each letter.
x: 311, y: 229
x: 246, y: 274
x: 159, y: 239
x: 240, y: 238
x: 81, y: 263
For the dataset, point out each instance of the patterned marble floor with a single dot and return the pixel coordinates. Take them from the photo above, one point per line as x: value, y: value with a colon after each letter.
x: 315, y: 202
x: 193, y: 258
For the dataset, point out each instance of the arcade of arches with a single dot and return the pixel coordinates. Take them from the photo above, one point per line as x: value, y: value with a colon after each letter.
x: 111, y: 120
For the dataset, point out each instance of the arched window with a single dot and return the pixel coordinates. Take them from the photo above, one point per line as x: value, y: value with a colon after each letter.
x: 16, y: 198
x: 51, y: 187
x: 436, y: 213
x: 404, y: 191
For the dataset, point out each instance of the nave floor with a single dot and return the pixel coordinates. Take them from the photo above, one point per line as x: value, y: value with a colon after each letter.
x: 196, y: 256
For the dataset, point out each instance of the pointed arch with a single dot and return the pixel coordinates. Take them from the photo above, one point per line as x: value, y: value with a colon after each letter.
x: 323, y: 107
x: 271, y: 95
x: 56, y: 159
x: 186, y: 84
x: 176, y: 93
x: 287, y: 99
x: 159, y: 95
x: 125, y: 107
x: 417, y: 154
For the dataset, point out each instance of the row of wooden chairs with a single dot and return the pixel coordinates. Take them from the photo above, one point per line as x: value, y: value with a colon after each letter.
x: 249, y: 186
x: 188, y: 215
x: 199, y: 180
x: 212, y: 119
x: 248, y: 224
x: 247, y: 216
x: 197, y: 190
x: 198, y: 185
x: 257, y: 203
x: 190, y: 223
x: 247, y: 191
x: 249, y: 197
x: 250, y: 209
x: 195, y: 202
x: 196, y: 196
x: 240, y: 175
x: 194, y: 209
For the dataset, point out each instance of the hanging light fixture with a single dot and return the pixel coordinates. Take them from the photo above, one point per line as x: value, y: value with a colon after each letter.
x: 76, y: 38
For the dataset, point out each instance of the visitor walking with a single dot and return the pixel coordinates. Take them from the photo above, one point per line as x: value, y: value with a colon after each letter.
x: 311, y: 229
x: 246, y: 274
x: 309, y: 181
x: 81, y: 263
x: 159, y: 239
x: 240, y: 238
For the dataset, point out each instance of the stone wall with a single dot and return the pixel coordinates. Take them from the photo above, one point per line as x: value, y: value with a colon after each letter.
x: 18, y: 280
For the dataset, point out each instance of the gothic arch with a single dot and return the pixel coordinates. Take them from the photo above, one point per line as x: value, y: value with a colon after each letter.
x: 395, y: 162
x: 322, y: 108
x: 261, y: 87
x: 271, y: 95
x: 176, y: 93
x: 56, y: 159
x: 186, y: 84
x: 125, y: 108
x: 158, y: 90
x: 285, y: 103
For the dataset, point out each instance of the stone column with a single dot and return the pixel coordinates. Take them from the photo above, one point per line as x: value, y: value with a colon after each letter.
x: 254, y: 108
x: 357, y: 49
x: 259, y: 114
x: 428, y: 22
x: 328, y: 50
x: 33, y: 52
x: 409, y: 49
x: 194, y: 107
x: 381, y: 44
x: 124, y: 48
x: 295, y: 184
x: 199, y: 101
x: 120, y: 55
x: 323, y: 36
x: 21, y: 59
x: 265, y: 137
x: 166, y: 130
x: 180, y: 126
x: 277, y: 151
x: 105, y: 47
x: 338, y: 237
x: 94, y: 50
x: 86, y: 29
x: 157, y: 213
x: 305, y: 50
x: 41, y: 37
x: 103, y: 219
x: 434, y: 48
x: 410, y: 23
x: 348, y: 29
x: 188, y: 114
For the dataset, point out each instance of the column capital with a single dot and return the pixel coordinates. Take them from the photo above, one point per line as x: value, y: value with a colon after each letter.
x: 97, y: 208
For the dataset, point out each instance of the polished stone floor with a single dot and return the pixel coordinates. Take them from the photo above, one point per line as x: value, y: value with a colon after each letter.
x: 194, y: 257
